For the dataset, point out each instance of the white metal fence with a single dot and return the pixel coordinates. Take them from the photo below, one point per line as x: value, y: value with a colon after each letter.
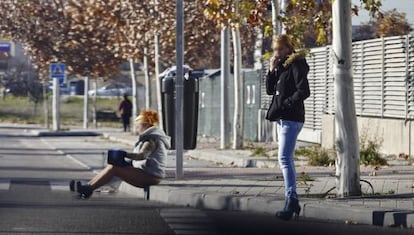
x: 383, y: 71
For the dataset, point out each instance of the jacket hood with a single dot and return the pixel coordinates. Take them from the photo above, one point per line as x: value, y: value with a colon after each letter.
x: 298, y: 55
x: 156, y: 133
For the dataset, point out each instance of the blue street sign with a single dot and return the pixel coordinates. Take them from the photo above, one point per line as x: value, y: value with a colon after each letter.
x: 58, y: 71
x: 5, y: 47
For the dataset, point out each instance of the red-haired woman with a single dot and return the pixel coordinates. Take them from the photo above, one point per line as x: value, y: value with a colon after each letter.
x: 146, y: 165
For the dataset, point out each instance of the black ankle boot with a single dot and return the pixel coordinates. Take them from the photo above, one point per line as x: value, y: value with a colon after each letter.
x: 291, y: 208
x: 85, y: 191
x: 74, y: 185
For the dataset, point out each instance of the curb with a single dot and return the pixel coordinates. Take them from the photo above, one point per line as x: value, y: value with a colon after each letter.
x: 360, y: 215
x: 117, y: 139
x: 64, y: 133
x: 222, y: 158
x: 200, y: 200
x: 310, y: 209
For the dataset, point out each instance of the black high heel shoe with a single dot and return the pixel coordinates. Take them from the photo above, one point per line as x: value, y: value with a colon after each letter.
x: 292, y: 208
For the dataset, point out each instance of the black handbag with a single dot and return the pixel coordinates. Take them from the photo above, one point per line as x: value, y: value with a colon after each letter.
x: 116, y: 157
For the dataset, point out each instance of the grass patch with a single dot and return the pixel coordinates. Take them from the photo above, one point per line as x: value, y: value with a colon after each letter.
x: 259, y: 152
x: 369, y: 153
x: 22, y: 110
x: 304, y: 177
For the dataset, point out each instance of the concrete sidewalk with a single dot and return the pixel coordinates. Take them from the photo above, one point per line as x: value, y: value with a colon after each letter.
x: 389, y: 202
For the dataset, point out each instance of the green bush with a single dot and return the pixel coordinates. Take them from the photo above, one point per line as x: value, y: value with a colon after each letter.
x: 320, y: 158
x: 369, y: 154
x: 317, y: 156
x: 369, y: 150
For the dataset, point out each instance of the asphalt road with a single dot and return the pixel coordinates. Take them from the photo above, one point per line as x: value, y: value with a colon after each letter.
x: 34, y: 198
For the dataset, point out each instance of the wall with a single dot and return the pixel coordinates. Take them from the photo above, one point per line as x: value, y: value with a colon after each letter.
x: 396, y: 135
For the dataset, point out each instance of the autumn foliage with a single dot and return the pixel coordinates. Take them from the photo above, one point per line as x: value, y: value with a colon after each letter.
x: 94, y: 36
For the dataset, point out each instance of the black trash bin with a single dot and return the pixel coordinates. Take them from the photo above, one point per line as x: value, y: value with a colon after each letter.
x: 191, y: 96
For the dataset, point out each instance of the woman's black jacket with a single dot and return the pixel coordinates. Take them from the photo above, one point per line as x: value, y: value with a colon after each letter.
x: 288, y: 83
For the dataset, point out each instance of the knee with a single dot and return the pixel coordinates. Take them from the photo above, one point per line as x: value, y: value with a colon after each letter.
x: 285, y: 161
x: 115, y: 170
x: 111, y: 169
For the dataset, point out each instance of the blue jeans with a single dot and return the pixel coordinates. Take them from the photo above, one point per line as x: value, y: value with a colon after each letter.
x: 288, y: 132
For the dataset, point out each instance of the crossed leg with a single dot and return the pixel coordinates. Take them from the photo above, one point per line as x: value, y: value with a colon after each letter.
x: 131, y: 175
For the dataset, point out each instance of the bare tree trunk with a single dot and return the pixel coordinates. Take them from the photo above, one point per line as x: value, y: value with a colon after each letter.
x: 134, y: 95
x: 157, y: 79
x: 147, y: 80
x: 275, y: 15
x: 258, y: 47
x: 347, y: 144
x: 278, y: 7
x: 283, y: 6
x: 238, y: 91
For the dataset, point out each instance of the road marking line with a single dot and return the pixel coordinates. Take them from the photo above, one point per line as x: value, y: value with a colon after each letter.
x: 70, y: 157
x: 59, y: 185
x: 4, y: 184
x: 185, y: 221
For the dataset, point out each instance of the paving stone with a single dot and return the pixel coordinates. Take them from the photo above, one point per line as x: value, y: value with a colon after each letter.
x: 371, y: 203
x: 255, y: 190
x: 405, y: 204
x: 405, y: 187
x: 387, y: 203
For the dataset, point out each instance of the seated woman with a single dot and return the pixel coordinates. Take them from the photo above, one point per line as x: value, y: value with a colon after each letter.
x: 146, y: 163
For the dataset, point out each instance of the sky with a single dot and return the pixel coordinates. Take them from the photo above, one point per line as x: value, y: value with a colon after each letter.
x: 406, y: 6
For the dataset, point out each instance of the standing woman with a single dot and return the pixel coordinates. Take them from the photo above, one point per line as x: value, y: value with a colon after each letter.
x: 287, y: 81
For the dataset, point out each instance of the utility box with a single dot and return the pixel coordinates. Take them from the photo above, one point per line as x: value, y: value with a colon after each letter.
x: 191, y: 96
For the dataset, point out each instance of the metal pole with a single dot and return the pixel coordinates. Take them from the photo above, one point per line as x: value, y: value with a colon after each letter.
x: 56, y: 104
x: 147, y: 80
x: 86, y: 104
x: 179, y: 89
x: 225, y: 74
x: 95, y: 88
x: 46, y: 104
x: 157, y: 73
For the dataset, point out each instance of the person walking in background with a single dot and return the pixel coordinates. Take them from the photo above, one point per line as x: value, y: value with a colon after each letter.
x: 287, y: 82
x: 125, y: 109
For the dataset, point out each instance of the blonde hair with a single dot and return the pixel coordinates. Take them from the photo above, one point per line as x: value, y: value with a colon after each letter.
x: 284, y: 40
x: 148, y: 116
